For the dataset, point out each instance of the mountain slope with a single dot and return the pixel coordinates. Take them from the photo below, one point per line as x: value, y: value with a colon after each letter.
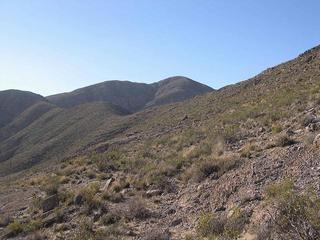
x: 56, y: 134
x: 14, y: 102
x: 178, y: 171
x: 133, y: 96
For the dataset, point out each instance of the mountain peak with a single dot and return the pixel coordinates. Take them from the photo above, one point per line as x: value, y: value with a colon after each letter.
x: 133, y: 96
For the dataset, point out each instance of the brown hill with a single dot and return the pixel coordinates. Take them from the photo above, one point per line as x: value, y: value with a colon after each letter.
x: 14, y: 102
x: 133, y: 96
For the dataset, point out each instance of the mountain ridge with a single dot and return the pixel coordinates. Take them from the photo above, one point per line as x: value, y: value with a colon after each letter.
x: 132, y: 96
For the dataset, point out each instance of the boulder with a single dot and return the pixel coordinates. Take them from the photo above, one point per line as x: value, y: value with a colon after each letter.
x: 176, y: 222
x: 50, y: 203
x: 77, y: 199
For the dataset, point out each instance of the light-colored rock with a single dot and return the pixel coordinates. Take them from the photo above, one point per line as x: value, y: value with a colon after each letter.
x: 107, y: 184
x: 152, y: 193
x: 316, y: 141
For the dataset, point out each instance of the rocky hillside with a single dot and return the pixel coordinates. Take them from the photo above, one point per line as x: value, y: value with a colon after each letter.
x: 238, y: 163
x: 38, y: 129
x: 133, y: 96
x: 14, y: 102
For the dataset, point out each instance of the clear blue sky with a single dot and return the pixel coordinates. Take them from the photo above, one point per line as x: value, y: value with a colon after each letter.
x: 51, y: 46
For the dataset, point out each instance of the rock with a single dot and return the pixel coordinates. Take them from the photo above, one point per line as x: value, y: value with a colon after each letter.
x: 220, y: 209
x: 97, y: 214
x: 4, y: 221
x: 77, y: 199
x: 50, y: 203
x: 126, y: 191
x: 184, y: 118
x: 107, y: 184
x: 176, y: 222
x: 49, y: 220
x: 152, y: 193
x: 316, y: 141
x: 171, y: 211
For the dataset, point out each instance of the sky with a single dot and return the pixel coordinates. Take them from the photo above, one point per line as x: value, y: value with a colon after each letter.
x: 53, y: 46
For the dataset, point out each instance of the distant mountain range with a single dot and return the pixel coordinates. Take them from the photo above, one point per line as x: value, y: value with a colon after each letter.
x: 32, y: 125
x: 132, y: 96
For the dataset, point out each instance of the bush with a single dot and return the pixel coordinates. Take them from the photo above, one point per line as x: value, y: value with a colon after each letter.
x: 106, y: 161
x: 88, y: 195
x: 235, y: 224
x: 109, y: 219
x: 209, y: 225
x: 51, y: 185
x: 297, y: 215
x: 113, y: 197
x: 217, y: 166
x: 247, y: 150
x: 33, y: 225
x: 283, y: 140
x: 137, y: 210
x: 276, y: 128
x: 85, y: 229
x: 214, y: 227
x: 15, y: 228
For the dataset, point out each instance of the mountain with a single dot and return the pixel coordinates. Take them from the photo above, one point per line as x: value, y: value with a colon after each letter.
x: 240, y: 162
x: 133, y: 96
x: 14, y: 102
x: 41, y: 128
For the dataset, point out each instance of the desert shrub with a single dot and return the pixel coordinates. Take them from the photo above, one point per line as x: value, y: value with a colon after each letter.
x: 283, y: 140
x: 203, y: 149
x: 119, y: 185
x: 276, y: 128
x: 88, y: 195
x: 90, y: 174
x: 85, y: 229
x: 296, y: 215
x: 205, y: 169
x: 66, y: 197
x: 107, y: 161
x: 210, y: 225
x: 113, y: 197
x: 217, y: 166
x: 222, y: 227
x: 247, y: 150
x: 15, y: 228
x: 109, y: 219
x: 235, y: 223
x: 137, y: 209
x: 33, y: 225
x: 64, y: 179
x: 51, y: 185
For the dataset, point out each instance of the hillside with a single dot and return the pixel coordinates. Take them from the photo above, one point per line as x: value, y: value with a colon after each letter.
x: 14, y: 102
x: 238, y: 163
x: 42, y: 129
x: 133, y: 96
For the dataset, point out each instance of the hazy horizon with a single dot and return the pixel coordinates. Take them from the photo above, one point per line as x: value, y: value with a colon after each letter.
x: 50, y: 47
